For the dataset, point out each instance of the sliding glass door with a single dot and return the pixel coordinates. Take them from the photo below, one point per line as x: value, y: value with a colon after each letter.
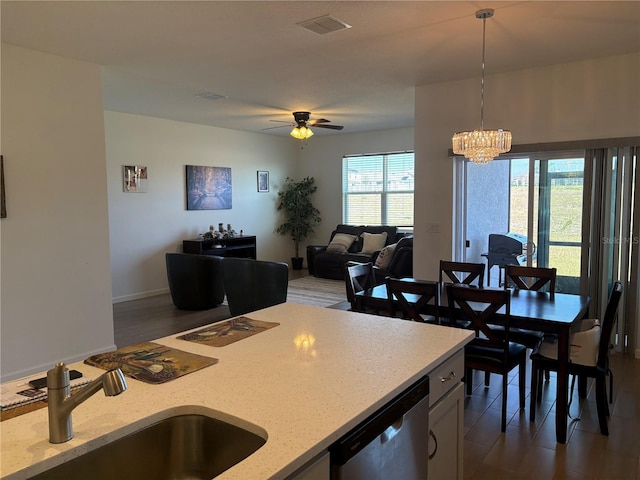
x: 577, y: 210
x: 535, y: 197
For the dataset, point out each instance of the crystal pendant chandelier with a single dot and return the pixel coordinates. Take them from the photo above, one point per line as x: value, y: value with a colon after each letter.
x: 482, y: 146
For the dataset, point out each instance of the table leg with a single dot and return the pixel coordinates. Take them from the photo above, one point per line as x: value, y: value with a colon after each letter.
x: 562, y: 385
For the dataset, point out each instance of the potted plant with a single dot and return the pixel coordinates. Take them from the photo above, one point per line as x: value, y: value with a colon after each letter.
x: 300, y: 214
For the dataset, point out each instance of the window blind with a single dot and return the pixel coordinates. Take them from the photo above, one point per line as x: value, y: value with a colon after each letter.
x: 378, y: 189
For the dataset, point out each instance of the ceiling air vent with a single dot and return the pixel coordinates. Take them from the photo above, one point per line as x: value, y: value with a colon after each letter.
x: 325, y: 24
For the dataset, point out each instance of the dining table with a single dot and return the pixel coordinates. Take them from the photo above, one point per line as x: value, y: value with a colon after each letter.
x: 552, y: 313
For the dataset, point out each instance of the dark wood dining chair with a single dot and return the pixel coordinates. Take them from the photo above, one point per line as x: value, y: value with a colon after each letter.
x: 358, y: 277
x: 413, y: 297
x: 547, y: 359
x: 530, y: 278
x: 488, y: 352
x: 462, y: 272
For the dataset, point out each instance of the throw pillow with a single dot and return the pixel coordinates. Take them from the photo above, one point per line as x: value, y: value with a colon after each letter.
x: 373, y: 242
x: 340, y: 243
x: 384, y: 257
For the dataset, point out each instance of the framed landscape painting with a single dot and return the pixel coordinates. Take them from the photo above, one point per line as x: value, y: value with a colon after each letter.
x: 208, y: 188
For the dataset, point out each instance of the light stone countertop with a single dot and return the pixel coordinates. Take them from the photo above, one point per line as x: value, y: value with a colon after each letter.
x: 304, y: 396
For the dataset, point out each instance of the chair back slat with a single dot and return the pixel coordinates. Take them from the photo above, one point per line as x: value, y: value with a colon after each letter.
x: 472, y: 272
x: 422, y: 293
x: 358, y: 277
x: 530, y: 278
x: 608, y: 322
x: 480, y: 305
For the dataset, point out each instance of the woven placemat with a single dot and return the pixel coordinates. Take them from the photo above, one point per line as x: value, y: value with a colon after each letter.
x: 151, y: 362
x: 230, y: 331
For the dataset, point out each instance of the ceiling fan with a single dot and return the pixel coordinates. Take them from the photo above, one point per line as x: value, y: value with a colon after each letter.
x: 302, y: 123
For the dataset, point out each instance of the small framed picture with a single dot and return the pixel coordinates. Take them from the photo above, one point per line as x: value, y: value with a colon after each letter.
x: 263, y: 181
x: 135, y: 179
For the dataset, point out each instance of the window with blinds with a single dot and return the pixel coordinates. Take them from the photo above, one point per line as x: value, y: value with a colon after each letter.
x: 378, y: 189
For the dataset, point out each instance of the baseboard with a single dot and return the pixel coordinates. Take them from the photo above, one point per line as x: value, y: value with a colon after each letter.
x: 138, y: 296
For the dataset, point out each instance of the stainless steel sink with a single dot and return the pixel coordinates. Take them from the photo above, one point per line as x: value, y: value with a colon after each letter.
x: 180, y: 447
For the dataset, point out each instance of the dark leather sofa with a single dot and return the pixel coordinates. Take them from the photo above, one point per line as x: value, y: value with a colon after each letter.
x: 331, y: 265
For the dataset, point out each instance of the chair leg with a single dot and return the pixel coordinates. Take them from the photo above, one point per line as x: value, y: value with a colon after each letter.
x: 601, y: 402
x: 582, y: 386
x: 533, y: 393
x: 468, y: 380
x: 539, y: 392
x: 522, y: 378
x: 504, y: 402
x: 547, y: 375
x: 487, y: 379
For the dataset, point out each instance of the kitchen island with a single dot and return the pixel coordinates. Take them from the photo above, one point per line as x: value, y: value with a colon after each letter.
x: 301, y: 385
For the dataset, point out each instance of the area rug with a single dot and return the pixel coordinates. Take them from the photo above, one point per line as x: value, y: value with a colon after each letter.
x: 320, y: 292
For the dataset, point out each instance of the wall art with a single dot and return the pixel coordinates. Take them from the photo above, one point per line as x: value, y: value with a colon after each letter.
x: 134, y: 179
x: 208, y: 188
x: 263, y: 181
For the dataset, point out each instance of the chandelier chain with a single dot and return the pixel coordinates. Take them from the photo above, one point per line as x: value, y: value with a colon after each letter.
x: 484, y: 25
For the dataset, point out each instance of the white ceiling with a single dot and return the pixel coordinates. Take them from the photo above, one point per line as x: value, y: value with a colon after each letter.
x: 157, y: 55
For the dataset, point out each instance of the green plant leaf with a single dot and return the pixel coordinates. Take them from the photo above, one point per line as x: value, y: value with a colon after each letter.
x: 300, y: 214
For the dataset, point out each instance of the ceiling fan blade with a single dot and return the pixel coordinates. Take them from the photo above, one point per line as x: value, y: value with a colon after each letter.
x: 282, y: 121
x: 279, y: 126
x: 332, y: 127
x: 320, y: 120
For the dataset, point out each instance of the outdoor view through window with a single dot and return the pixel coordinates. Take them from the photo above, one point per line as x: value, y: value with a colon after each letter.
x: 539, y: 198
x: 378, y: 189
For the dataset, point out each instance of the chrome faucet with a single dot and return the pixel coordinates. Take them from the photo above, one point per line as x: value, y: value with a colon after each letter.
x: 61, y: 403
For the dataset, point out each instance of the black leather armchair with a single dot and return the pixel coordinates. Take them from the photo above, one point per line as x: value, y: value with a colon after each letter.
x: 254, y: 284
x: 196, y: 281
x: 401, y: 264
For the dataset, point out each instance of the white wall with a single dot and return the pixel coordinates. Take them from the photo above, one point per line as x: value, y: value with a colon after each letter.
x: 56, y: 287
x: 55, y: 270
x: 321, y: 159
x: 597, y: 98
x: 144, y: 226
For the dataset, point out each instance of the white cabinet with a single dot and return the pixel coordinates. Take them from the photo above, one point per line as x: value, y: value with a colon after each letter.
x: 446, y: 419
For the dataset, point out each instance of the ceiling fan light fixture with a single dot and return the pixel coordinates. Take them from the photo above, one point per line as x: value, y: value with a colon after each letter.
x: 301, y: 133
x: 482, y: 146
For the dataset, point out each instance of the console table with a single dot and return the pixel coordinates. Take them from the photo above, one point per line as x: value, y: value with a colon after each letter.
x: 242, y: 247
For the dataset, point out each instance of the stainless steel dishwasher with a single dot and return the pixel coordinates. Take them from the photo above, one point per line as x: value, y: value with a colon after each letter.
x: 390, y: 444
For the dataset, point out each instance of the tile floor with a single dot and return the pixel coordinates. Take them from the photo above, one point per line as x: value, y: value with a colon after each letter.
x: 529, y: 450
